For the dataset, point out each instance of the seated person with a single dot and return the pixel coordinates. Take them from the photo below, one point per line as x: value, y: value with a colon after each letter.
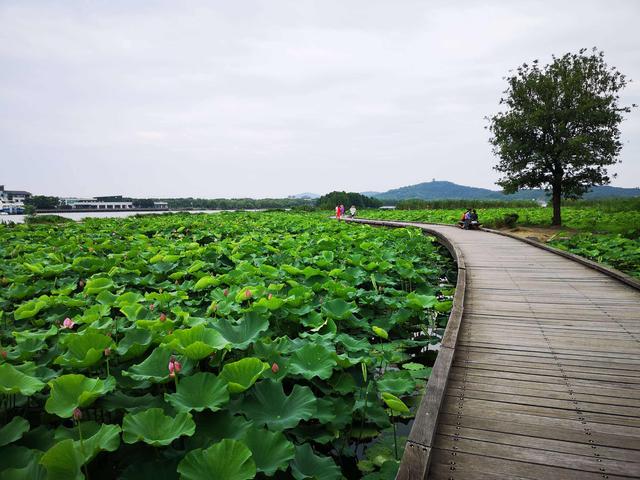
x: 473, y: 216
x: 463, y: 222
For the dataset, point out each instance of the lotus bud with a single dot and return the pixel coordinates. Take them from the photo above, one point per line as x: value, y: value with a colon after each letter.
x: 247, y: 293
x: 163, y: 317
x: 68, y: 323
x: 226, y: 292
x: 77, y: 414
x: 3, y: 353
x: 275, y: 368
x: 177, y: 366
x: 151, y: 307
x: 81, y: 283
x: 107, y: 352
x: 270, y: 296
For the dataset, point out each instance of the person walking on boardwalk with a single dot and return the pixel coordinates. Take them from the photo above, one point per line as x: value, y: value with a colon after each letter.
x: 352, y: 211
x: 338, y: 212
x: 341, y: 210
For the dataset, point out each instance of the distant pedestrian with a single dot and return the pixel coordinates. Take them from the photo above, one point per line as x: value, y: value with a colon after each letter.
x: 341, y: 210
x: 352, y: 211
x: 338, y: 212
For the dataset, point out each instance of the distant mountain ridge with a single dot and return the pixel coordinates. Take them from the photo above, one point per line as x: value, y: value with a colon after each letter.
x: 443, y: 190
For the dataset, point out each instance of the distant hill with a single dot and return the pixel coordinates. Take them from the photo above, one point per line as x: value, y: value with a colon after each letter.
x: 443, y: 190
x: 308, y: 195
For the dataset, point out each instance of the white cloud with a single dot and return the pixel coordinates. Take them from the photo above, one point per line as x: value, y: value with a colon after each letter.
x: 261, y: 98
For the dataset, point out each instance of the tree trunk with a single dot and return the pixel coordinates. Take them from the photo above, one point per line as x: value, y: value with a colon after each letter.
x: 556, y: 197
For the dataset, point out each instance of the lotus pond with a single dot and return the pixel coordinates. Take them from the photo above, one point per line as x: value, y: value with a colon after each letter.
x: 230, y: 346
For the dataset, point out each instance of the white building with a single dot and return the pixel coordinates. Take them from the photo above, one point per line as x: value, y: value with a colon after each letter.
x: 12, y: 201
x: 97, y: 205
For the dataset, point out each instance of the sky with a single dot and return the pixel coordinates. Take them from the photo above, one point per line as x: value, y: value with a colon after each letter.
x: 272, y: 98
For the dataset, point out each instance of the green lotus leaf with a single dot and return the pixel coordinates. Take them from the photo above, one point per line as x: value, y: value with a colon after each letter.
x: 196, y: 266
x: 13, y: 430
x: 83, y: 350
x: 13, y: 381
x: 38, y: 336
x: 242, y: 374
x: 198, y: 392
x: 343, y: 383
x: 155, y: 368
x: 197, y: 342
x: 420, y: 302
x: 273, y: 303
x: 325, y: 259
x: 309, y: 465
x: 97, y: 285
x: 214, y: 427
x: 155, y: 428
x: 72, y: 391
x: 397, y: 382
x: 249, y: 293
x: 271, y: 450
x: 313, y: 320
x: 21, y: 463
x: 36, y: 268
x: 31, y: 308
x: 95, y: 438
x: 107, y: 298
x: 228, y: 459
x: 444, y: 307
x: 87, y: 264
x: 394, y: 403
x: 268, y: 405
x: 353, y: 344
x: 128, y: 298
x: 380, y: 332
x: 338, y: 309
x: 135, y: 342
x: 417, y: 370
x: 312, y: 360
x: 63, y: 461
x: 135, y: 312
x: 206, y: 282
x: 241, y: 334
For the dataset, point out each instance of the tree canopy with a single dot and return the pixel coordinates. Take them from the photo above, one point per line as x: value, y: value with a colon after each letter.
x: 560, y: 128
x: 330, y: 200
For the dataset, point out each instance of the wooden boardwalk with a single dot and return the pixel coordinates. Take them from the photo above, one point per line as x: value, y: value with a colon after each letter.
x: 544, y: 376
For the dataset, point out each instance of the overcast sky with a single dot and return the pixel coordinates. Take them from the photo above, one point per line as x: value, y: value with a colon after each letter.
x: 272, y: 98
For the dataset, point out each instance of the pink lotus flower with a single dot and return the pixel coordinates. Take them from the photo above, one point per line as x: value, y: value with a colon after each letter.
x: 226, y: 292
x: 174, y: 367
x: 270, y: 296
x: 275, y: 368
x: 81, y: 283
x: 77, y: 414
x: 163, y: 317
x: 151, y: 307
x: 3, y: 353
x: 247, y: 293
x: 107, y: 352
x: 68, y: 323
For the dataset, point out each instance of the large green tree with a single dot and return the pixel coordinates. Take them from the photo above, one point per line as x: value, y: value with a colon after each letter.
x: 559, y: 129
